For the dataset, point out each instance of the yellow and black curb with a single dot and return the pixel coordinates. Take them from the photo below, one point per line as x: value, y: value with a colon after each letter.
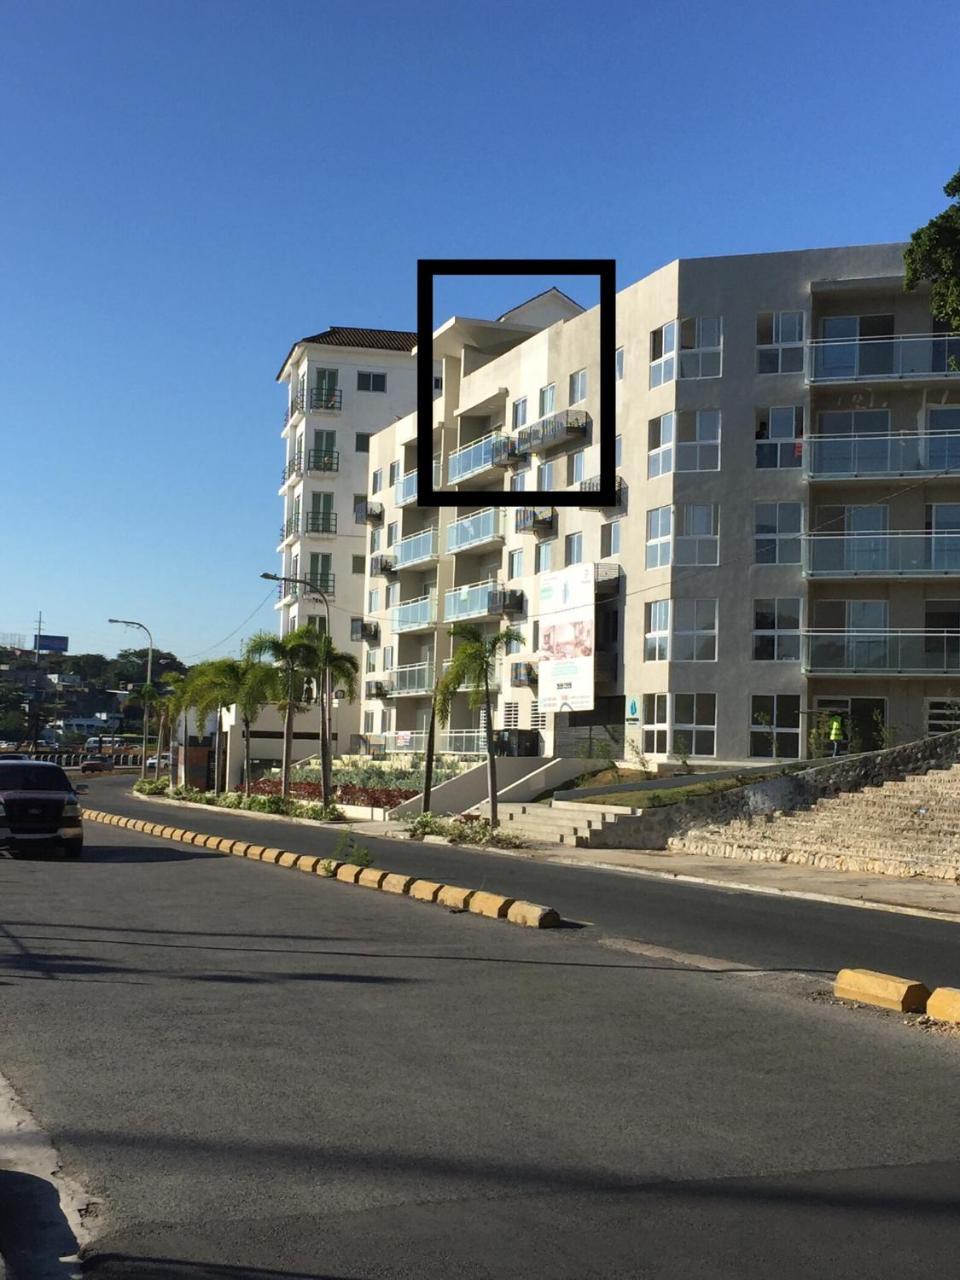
x: 903, y: 995
x: 477, y: 901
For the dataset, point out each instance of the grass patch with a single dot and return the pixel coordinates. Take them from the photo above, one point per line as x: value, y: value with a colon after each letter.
x: 656, y: 799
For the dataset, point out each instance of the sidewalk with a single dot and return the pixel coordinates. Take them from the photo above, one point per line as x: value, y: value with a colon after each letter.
x: 884, y: 893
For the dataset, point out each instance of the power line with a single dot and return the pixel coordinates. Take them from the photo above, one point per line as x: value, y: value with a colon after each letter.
x: 238, y: 627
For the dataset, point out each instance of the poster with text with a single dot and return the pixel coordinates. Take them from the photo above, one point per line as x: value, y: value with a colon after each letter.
x: 567, y: 631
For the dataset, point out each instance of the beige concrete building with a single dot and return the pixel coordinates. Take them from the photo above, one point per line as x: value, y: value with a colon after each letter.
x: 786, y: 538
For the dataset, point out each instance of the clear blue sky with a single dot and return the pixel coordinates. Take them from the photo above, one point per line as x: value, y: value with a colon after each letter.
x: 189, y: 187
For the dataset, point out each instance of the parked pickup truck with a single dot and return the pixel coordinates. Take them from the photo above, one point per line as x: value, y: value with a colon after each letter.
x: 38, y: 808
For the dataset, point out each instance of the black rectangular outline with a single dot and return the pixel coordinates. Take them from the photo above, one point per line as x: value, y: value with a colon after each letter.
x: 606, y: 270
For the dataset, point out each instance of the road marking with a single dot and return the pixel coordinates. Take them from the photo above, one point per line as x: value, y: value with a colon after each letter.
x: 691, y: 961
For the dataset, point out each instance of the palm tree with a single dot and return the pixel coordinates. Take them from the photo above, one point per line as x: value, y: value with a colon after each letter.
x: 331, y: 668
x: 245, y: 683
x: 471, y: 667
x: 172, y: 707
x: 294, y: 657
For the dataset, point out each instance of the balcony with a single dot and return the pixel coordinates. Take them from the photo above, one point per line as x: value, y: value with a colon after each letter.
x: 477, y: 530
x: 323, y: 460
x: 479, y: 600
x: 496, y: 675
x: 325, y: 399
x: 295, y: 407
x: 506, y: 600
x: 293, y: 468
x: 607, y: 579
x: 553, y: 430
x: 360, y: 630
x: 889, y: 555
x: 383, y: 565
x: 416, y: 548
x: 593, y: 485
x: 860, y: 457
x: 413, y: 680
x: 523, y: 675
x: 374, y: 689
x: 289, y: 529
x: 323, y: 582
x: 368, y: 512
x: 536, y: 519
x: 881, y: 652
x: 416, y: 615
x: 908, y: 357
x: 405, y: 490
x: 320, y: 522
x: 486, y: 454
x: 456, y: 742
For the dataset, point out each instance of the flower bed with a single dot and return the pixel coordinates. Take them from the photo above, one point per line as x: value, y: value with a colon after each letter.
x: 370, y: 797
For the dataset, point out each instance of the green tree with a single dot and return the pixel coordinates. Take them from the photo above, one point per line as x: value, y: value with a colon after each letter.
x: 472, y: 668
x: 294, y: 657
x: 331, y: 669
x: 933, y: 255
x: 245, y: 683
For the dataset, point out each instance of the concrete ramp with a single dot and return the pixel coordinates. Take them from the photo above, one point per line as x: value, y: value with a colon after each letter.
x: 518, y: 777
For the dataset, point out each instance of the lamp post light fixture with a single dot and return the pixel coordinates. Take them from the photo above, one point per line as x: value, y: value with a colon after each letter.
x: 127, y: 622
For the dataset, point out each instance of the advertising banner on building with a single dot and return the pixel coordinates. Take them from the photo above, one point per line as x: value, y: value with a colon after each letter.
x: 567, y: 631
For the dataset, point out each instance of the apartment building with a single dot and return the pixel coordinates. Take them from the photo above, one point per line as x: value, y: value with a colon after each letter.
x: 343, y: 385
x: 785, y: 542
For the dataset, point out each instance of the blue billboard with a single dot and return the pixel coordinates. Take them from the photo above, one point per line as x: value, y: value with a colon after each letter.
x: 51, y: 644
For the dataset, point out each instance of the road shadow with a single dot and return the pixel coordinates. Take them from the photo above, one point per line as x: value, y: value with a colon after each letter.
x: 103, y: 853
x: 34, y: 1233
x: 124, y: 1266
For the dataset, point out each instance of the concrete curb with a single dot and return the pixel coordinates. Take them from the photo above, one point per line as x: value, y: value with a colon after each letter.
x: 884, y: 990
x: 492, y: 905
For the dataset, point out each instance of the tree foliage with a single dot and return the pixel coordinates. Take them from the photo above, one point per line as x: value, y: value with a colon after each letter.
x: 933, y: 256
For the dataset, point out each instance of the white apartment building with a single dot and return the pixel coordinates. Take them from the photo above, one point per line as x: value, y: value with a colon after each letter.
x: 785, y: 542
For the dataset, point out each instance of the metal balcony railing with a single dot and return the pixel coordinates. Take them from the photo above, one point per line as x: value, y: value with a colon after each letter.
x: 375, y: 689
x: 293, y: 468
x: 293, y: 591
x: 288, y: 528
x: 416, y: 548
x: 849, y: 457
x: 493, y: 450
x: 488, y: 525
x: 365, y: 512
x: 528, y: 518
x: 901, y: 356
x: 902, y: 652
x: 323, y: 460
x: 320, y: 522
x: 415, y: 615
x: 405, y: 490
x: 413, y: 679
x: 474, y: 601
x: 592, y: 485
x: 905, y: 554
x: 552, y: 430
x: 382, y: 565
x: 360, y: 629
x: 325, y: 399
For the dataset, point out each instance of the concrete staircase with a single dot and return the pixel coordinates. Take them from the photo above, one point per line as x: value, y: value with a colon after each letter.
x: 904, y: 828
x: 580, y: 825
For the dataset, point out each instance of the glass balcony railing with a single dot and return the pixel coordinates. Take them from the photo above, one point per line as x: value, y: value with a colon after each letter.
x: 415, y: 549
x: 474, y: 530
x: 414, y: 679
x: 415, y: 615
x: 405, y: 490
x: 850, y: 555
x: 473, y: 601
x: 903, y: 356
x: 890, y: 652
x: 460, y: 742
x: 487, y: 452
x: 496, y: 675
x: 897, y: 455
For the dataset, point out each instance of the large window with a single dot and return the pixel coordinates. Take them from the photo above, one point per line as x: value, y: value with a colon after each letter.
x: 697, y: 537
x: 545, y: 473
x: 660, y: 444
x: 659, y: 537
x: 663, y: 354
x: 780, y: 342
x: 776, y: 629
x: 777, y: 532
x: 578, y: 386
x: 694, y: 731
x: 701, y: 347
x: 548, y: 399
x: 572, y: 549
x: 694, y: 631
x: 520, y: 412
x: 371, y: 381
x: 854, y: 422
x: 543, y: 557
x: 698, y: 440
x: 656, y: 724
x: 363, y: 442
x: 394, y: 475
x: 610, y: 539
x: 779, y: 436
x: 775, y: 725
x: 656, y: 640
x: 515, y: 564
x: 575, y: 467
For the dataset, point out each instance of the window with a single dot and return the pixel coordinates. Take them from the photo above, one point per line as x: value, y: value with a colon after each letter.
x: 610, y: 539
x: 370, y: 661
x: 511, y: 715
x: 575, y: 467
x: 697, y: 535
x: 572, y: 549
x: 578, y: 386
x: 775, y: 725
x: 359, y: 565
x: 779, y: 432
x: 360, y: 508
x: 619, y: 363
x: 660, y: 444
x: 545, y: 475
x: 392, y: 530
x: 438, y: 382
x: 371, y: 381
x: 698, y: 440
x: 659, y: 536
x: 548, y: 397
x: 656, y: 727
x: 376, y: 481
x: 701, y: 347
x: 943, y: 715
x: 373, y: 600
x: 656, y: 639
x: 543, y: 557
x: 694, y: 724
x: 363, y: 442
x: 694, y: 631
x: 388, y: 658
x: 394, y: 473
x: 393, y: 594
x: 854, y: 422
x: 375, y: 535
x: 515, y: 564
x: 535, y: 644
x: 777, y: 532
x: 618, y: 451
x: 518, y: 482
x: 520, y: 412
x: 776, y: 629
x: 368, y: 722
x: 663, y: 347
x: 513, y: 646
x: 779, y: 342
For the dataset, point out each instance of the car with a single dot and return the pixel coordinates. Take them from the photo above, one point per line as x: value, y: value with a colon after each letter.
x: 164, y: 761
x: 13, y: 755
x: 39, y: 808
x: 96, y: 764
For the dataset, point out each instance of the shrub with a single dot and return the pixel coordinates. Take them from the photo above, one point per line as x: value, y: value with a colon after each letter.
x: 152, y: 787
x: 266, y: 804
x: 427, y: 824
x: 464, y: 829
x: 326, y: 867
x: 320, y: 812
x: 231, y: 800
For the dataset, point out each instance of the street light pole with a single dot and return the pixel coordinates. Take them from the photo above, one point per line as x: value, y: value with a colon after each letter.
x: 127, y: 622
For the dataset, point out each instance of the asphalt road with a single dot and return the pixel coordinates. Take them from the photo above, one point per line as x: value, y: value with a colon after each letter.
x: 268, y: 1075
x: 754, y: 929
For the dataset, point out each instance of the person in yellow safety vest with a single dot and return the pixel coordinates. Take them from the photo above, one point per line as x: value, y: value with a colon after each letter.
x: 836, y: 733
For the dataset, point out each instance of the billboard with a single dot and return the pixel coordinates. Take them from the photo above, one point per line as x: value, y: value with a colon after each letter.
x: 567, y: 632
x: 50, y: 644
